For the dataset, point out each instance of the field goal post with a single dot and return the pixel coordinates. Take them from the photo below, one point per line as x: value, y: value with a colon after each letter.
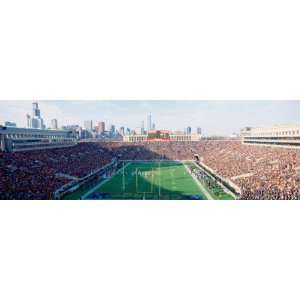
x: 137, y: 183
x: 159, y: 177
x: 136, y: 173
x: 123, y: 179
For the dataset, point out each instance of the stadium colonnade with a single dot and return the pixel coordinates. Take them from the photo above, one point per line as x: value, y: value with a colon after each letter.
x: 281, y: 135
x: 14, y: 139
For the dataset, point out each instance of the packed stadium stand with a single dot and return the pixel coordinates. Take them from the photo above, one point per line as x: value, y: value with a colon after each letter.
x: 259, y: 172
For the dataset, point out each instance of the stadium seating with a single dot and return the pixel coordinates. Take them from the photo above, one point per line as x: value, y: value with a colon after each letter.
x: 260, y: 172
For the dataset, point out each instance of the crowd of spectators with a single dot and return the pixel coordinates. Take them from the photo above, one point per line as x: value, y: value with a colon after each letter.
x: 37, y: 174
x: 260, y: 172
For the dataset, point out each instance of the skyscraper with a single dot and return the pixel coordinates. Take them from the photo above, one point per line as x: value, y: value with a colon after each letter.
x: 199, y: 131
x: 142, y: 127
x: 88, y: 125
x: 112, y: 130
x: 122, y: 131
x: 188, y: 130
x: 36, y: 120
x: 28, y: 118
x: 54, y: 124
x: 101, y: 127
x: 149, y: 122
x: 35, y: 110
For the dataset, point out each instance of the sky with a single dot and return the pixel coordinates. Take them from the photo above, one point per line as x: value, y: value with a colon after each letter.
x: 214, y: 117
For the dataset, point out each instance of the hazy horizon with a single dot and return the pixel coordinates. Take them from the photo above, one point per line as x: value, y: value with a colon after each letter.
x: 214, y: 117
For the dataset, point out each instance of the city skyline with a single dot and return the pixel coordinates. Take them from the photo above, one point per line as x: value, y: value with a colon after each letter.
x: 214, y: 117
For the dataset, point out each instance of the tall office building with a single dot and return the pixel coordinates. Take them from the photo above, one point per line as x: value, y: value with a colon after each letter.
x: 122, y: 131
x: 36, y: 120
x: 149, y: 122
x: 101, y: 127
x: 54, y: 124
x: 112, y: 130
x: 199, y: 131
x: 188, y: 130
x: 35, y: 110
x: 142, y: 127
x: 35, y: 123
x: 28, y: 119
x: 88, y: 125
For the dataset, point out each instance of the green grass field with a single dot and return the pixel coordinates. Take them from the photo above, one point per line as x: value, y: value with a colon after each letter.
x: 151, y: 180
x: 157, y: 180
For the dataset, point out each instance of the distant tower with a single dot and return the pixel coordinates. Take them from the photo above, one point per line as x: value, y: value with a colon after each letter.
x: 28, y: 118
x: 88, y: 125
x: 188, y: 130
x: 149, y: 122
x: 142, y: 127
x: 199, y: 131
x: 54, y: 124
x: 122, y: 130
x: 101, y: 127
x: 36, y: 120
x: 113, y: 129
x: 35, y: 110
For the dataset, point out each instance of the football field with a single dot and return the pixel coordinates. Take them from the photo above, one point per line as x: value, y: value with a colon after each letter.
x: 160, y: 180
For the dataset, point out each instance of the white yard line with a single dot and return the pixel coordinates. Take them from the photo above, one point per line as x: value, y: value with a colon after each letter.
x: 104, y: 181
x: 202, y: 188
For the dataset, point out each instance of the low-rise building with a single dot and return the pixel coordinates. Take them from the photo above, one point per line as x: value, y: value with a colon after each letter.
x: 280, y: 135
x: 162, y: 135
x: 24, y: 139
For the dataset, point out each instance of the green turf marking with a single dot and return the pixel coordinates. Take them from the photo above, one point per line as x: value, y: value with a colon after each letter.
x: 85, y: 196
x: 141, y: 175
x: 151, y: 180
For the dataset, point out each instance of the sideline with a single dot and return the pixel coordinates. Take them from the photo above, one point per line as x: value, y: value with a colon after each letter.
x: 202, y: 188
x: 224, y: 187
x: 84, y: 197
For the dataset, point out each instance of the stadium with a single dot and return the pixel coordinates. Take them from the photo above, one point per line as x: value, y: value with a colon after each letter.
x: 162, y: 166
